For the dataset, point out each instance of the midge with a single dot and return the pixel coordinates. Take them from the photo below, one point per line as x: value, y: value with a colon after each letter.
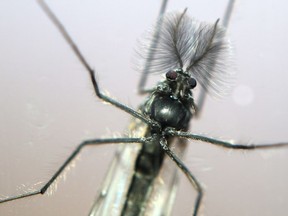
x: 188, y: 52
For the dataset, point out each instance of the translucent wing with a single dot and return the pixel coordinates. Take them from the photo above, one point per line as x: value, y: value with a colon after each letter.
x: 118, y: 179
x: 116, y: 183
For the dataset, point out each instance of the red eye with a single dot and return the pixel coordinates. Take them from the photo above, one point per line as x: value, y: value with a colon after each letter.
x: 171, y: 75
x: 192, y: 83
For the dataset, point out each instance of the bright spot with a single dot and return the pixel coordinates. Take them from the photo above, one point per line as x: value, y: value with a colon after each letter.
x: 243, y: 95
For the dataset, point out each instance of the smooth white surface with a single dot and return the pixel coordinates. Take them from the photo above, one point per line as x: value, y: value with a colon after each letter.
x: 48, y: 105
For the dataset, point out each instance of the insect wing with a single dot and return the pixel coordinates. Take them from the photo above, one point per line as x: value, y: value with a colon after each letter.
x: 117, y: 181
x: 116, y: 184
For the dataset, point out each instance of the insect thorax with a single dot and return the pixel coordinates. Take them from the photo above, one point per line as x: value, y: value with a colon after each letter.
x: 167, y: 110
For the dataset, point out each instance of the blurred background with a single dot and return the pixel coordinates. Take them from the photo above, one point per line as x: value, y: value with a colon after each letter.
x: 48, y: 105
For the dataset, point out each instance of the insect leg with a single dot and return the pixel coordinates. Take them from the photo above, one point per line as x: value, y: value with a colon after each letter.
x: 225, y: 22
x: 228, y: 12
x: 69, y: 159
x: 224, y: 143
x: 188, y: 174
x: 145, y: 73
x: 91, y: 72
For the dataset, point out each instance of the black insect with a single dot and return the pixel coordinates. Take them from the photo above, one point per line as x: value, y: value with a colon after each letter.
x: 188, y: 52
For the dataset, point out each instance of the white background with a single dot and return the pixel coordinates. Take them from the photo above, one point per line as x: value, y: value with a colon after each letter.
x: 47, y: 105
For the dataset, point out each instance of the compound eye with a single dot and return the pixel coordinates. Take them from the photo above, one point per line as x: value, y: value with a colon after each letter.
x: 192, y: 83
x: 171, y: 75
